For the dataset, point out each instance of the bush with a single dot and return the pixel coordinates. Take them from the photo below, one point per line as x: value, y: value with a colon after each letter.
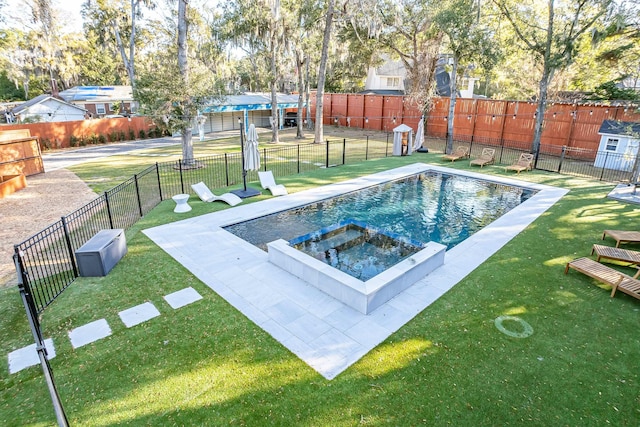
x: 83, y: 141
x: 93, y: 139
x: 142, y: 134
x: 45, y: 143
x: 102, y: 139
x: 113, y: 136
x: 121, y: 135
x: 132, y: 134
x: 74, y: 141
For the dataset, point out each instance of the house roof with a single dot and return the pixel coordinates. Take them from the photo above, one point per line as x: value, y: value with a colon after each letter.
x: 98, y: 93
x: 614, y: 127
x: 250, y: 102
x: 39, y: 100
x: 381, y: 92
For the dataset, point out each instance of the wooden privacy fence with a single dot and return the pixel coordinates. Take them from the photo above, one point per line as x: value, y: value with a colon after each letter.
x: 58, y: 134
x: 477, y: 120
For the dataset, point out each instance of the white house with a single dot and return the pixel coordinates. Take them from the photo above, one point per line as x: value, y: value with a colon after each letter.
x: 46, y: 108
x: 388, y: 78
x: 619, y: 142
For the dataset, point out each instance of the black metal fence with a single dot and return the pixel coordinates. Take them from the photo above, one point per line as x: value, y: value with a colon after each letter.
x: 46, y: 261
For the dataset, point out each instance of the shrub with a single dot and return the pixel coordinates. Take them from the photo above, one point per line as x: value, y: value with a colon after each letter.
x: 74, y: 141
x: 142, y: 134
x: 102, y: 139
x: 113, y: 136
x: 83, y: 141
x: 132, y: 134
x: 46, y: 143
x: 93, y: 139
x: 121, y: 135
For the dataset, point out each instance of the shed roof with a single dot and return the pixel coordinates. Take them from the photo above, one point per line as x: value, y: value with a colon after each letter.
x: 250, y: 102
x: 614, y: 127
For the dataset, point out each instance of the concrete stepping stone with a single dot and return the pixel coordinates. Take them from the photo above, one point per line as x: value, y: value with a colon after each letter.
x: 138, y: 314
x: 28, y: 356
x: 183, y: 297
x: 89, y: 333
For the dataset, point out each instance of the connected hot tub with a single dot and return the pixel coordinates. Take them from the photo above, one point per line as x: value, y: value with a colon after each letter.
x: 361, y: 266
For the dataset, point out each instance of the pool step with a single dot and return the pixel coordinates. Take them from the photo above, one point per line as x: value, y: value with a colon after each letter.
x: 340, y: 239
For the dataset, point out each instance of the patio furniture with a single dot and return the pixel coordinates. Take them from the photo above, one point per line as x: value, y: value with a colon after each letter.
x: 621, y: 236
x: 207, y: 195
x: 268, y: 182
x: 618, y: 281
x: 487, y: 157
x: 524, y: 163
x: 181, y: 203
x: 460, y: 152
x: 616, y: 254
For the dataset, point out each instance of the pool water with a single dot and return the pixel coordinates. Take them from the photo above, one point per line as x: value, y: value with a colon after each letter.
x: 426, y: 207
x: 356, y: 249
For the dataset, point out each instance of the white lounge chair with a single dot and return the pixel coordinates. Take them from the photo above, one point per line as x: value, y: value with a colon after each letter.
x: 207, y: 195
x: 269, y: 183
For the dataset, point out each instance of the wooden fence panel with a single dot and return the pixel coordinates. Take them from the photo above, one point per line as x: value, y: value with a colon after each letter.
x: 437, y: 118
x: 339, y: 109
x: 391, y: 112
x: 355, y: 110
x: 373, y: 107
x: 519, y: 122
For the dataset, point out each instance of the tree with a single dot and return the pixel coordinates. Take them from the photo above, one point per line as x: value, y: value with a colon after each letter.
x: 173, y: 84
x: 322, y: 71
x: 551, y: 33
x: 467, y: 39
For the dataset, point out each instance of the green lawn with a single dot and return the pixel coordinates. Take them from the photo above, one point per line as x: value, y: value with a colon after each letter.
x: 206, y: 364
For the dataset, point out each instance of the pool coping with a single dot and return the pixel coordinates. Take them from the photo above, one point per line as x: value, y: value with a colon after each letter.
x: 325, y: 333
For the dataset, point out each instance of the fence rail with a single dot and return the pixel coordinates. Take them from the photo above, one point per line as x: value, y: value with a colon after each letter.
x: 47, y: 259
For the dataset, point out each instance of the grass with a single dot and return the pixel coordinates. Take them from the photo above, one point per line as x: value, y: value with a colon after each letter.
x: 206, y: 364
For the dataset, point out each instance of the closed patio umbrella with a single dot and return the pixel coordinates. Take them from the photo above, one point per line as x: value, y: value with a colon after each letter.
x: 250, y: 160
x: 251, y: 153
x: 417, y: 146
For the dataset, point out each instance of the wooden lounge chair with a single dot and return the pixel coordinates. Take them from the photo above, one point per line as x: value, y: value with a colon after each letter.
x: 618, y: 281
x: 487, y: 157
x: 524, y: 163
x: 460, y: 152
x: 621, y: 236
x: 616, y: 254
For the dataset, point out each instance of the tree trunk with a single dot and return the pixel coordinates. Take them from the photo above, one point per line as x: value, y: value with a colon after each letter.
x: 322, y: 73
x: 547, y: 74
x: 275, y: 119
x: 299, y: 64
x: 452, y: 105
x: 183, y: 65
x: 132, y: 45
x: 307, y: 95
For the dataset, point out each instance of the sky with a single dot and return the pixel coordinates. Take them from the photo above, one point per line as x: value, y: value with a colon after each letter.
x: 19, y: 11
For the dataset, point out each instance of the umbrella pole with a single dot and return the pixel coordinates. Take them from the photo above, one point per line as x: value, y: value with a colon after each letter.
x: 244, y: 193
x: 244, y: 171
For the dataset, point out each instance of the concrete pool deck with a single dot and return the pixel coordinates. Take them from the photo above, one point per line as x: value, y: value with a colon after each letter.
x: 325, y: 333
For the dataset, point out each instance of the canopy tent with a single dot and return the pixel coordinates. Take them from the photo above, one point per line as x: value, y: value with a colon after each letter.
x: 402, y: 140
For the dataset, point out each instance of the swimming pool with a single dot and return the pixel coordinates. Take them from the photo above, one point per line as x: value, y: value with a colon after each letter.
x: 324, y: 331
x: 425, y: 207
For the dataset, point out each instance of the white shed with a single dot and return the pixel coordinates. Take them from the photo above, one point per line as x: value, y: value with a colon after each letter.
x: 46, y: 108
x: 619, y: 142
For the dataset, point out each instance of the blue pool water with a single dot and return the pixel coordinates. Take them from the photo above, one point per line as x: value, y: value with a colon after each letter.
x: 426, y: 207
